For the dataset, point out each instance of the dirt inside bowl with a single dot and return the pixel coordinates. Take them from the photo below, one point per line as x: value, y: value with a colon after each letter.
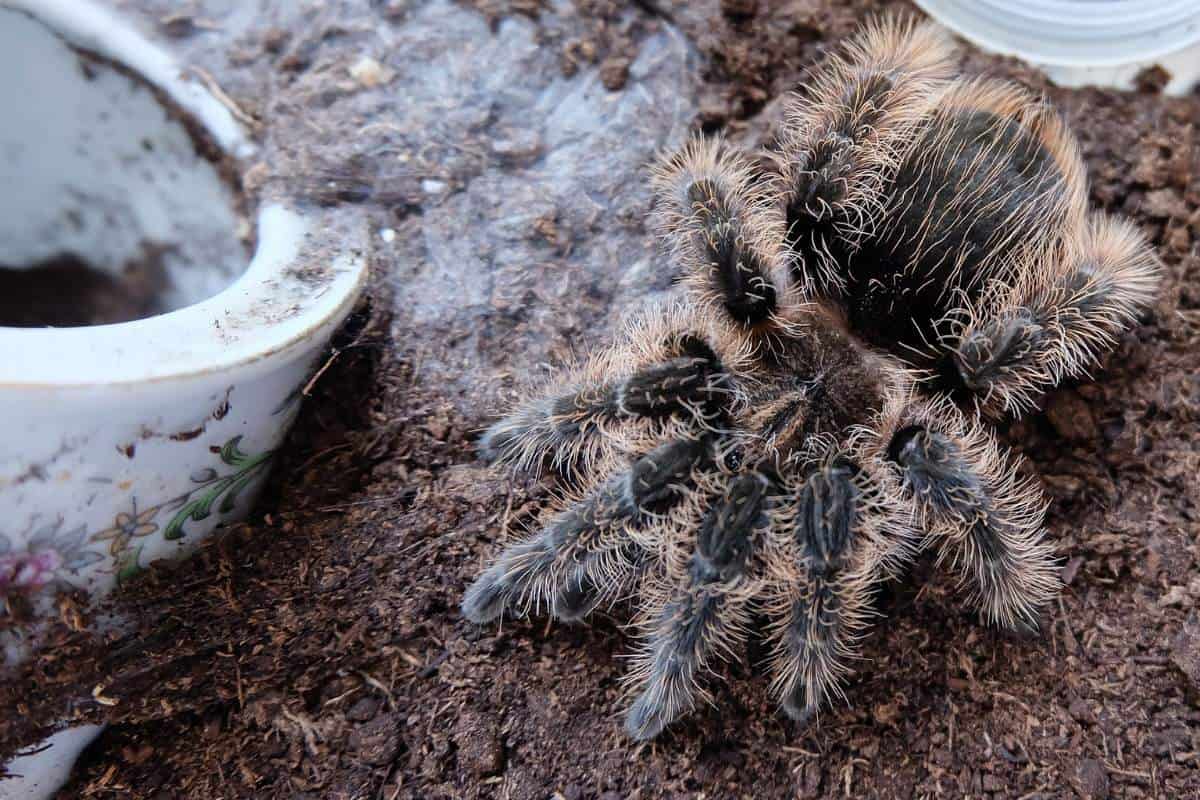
x: 65, y: 292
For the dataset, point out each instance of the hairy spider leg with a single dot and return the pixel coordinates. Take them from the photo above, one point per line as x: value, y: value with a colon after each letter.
x: 984, y: 519
x: 725, y: 236
x: 842, y: 138
x: 1067, y: 307
x: 588, y: 549
x: 699, y: 607
x: 667, y: 376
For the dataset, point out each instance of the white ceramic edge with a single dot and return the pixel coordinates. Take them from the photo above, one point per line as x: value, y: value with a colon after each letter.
x: 44, y: 773
x: 92, y: 26
x: 227, y: 329
x: 1113, y: 63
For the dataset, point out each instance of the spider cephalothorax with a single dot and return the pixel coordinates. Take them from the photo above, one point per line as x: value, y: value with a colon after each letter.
x: 792, y: 433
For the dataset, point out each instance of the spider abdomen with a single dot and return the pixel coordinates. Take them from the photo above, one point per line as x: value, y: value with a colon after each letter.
x: 990, y: 174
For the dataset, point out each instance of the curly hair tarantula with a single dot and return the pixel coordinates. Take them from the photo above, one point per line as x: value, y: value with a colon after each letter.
x: 918, y: 257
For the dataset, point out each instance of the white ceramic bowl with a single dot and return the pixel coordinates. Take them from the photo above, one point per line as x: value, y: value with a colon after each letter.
x: 1085, y: 42
x: 128, y: 442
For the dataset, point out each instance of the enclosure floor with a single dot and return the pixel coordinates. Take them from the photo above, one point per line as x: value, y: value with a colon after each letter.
x: 317, y: 650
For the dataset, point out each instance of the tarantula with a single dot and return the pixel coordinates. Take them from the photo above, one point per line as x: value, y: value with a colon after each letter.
x: 918, y: 256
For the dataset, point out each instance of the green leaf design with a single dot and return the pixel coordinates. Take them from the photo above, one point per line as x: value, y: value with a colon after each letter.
x: 225, y: 488
x: 231, y: 496
x: 231, y: 454
x: 195, y: 510
x: 129, y: 565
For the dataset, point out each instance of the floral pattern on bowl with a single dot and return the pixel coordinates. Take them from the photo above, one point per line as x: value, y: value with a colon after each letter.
x: 48, y: 556
x: 195, y: 504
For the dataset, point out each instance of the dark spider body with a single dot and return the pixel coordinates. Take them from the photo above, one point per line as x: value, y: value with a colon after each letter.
x: 969, y: 240
x: 779, y: 443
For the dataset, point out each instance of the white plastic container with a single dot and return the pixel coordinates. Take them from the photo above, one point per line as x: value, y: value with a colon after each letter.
x: 1084, y: 42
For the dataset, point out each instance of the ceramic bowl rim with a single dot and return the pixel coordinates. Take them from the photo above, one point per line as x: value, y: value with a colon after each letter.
x: 102, y: 352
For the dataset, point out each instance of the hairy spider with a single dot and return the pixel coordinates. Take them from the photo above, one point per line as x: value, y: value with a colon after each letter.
x: 809, y: 418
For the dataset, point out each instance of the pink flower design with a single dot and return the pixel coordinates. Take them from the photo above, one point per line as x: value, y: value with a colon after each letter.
x: 30, y: 571
x: 47, y: 556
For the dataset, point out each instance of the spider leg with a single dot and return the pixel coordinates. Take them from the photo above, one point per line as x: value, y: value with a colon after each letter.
x: 700, y: 610
x: 589, y: 548
x: 829, y: 553
x: 1067, y: 308
x: 986, y: 520
x: 666, y: 372
x: 719, y: 227
x: 843, y: 138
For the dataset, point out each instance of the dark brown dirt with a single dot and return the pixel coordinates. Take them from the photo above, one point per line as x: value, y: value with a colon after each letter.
x: 65, y: 292
x: 317, y: 651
